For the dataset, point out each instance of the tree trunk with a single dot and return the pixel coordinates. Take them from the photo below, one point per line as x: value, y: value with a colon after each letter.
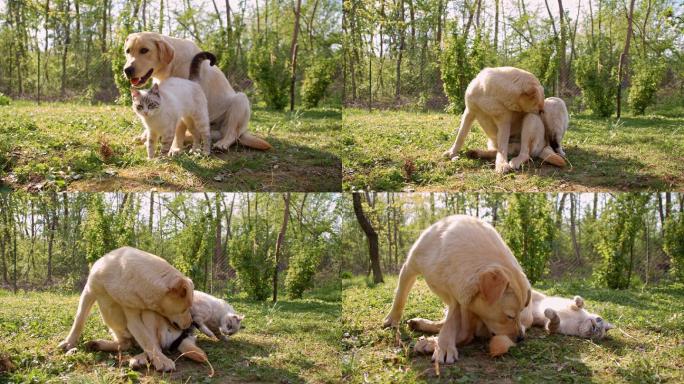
x: 496, y: 25
x: 372, y: 237
x: 573, y: 228
x: 562, y: 47
x: 624, y: 59
x: 293, y: 53
x: 279, y: 243
x: 400, y: 54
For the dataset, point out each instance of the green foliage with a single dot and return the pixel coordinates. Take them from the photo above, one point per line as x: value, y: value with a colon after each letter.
x: 673, y: 243
x: 528, y: 230
x: 460, y: 64
x: 97, y: 234
x: 646, y: 79
x: 621, y: 221
x: 268, y: 66
x: 316, y: 81
x: 253, y: 258
x: 195, y: 244
x: 4, y: 99
x: 595, y: 73
x: 302, y: 268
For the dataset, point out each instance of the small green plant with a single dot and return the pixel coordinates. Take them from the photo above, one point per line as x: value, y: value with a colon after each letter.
x: 318, y: 77
x: 268, y: 68
x: 303, y: 266
x: 648, y: 73
x: 673, y: 243
x: 4, y: 99
x: 595, y: 74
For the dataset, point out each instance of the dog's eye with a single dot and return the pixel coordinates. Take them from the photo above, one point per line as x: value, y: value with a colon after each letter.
x: 128, y: 50
x: 510, y: 317
x: 144, y: 50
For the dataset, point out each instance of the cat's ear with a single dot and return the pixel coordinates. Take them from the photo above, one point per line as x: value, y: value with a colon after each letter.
x: 155, y: 89
x: 135, y: 93
x: 607, y: 325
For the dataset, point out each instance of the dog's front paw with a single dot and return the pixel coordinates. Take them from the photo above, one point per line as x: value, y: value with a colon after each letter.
x: 175, y: 151
x: 138, y: 361
x: 447, y: 355
x: 390, y: 322
x: 221, y: 145
x: 163, y: 364
x: 503, y: 167
x: 425, y: 345
x: 66, y: 345
x: 450, y: 155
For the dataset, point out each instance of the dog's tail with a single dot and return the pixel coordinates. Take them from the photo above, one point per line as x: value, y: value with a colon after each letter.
x: 197, y: 61
x: 550, y: 156
x: 249, y: 140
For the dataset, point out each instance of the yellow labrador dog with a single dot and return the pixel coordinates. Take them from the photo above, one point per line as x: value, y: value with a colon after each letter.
x: 496, y: 98
x: 540, y: 136
x: 467, y: 264
x: 125, y: 283
x: 164, y: 334
x: 151, y: 55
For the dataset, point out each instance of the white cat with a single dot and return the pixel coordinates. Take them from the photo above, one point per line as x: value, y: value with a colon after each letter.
x: 564, y: 316
x: 162, y: 108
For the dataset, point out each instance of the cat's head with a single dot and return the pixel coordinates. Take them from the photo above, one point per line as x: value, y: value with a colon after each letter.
x: 146, y: 103
x: 231, y: 323
x: 594, y: 328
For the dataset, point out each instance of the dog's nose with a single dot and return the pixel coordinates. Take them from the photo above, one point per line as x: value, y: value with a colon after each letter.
x: 129, y: 71
x: 520, y: 338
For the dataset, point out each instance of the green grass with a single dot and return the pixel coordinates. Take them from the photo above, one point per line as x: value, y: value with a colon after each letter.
x: 92, y: 148
x: 295, y: 341
x: 390, y: 150
x: 647, y: 347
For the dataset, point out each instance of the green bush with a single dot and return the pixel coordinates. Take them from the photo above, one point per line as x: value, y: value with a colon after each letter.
x: 619, y: 225
x: 268, y: 69
x: 646, y: 79
x: 4, y: 99
x: 673, y: 243
x: 595, y: 73
x: 318, y: 77
x: 253, y: 261
x: 529, y: 231
x: 302, y: 268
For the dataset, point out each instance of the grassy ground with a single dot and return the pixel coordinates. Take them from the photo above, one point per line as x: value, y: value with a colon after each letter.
x: 92, y: 148
x: 388, y: 150
x: 296, y: 341
x: 648, y: 347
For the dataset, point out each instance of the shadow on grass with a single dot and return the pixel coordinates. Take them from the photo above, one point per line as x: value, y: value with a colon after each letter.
x: 288, y: 167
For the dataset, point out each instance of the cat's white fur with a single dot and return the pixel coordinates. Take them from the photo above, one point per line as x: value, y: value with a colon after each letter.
x: 214, y: 317
x: 564, y: 316
x: 181, y: 101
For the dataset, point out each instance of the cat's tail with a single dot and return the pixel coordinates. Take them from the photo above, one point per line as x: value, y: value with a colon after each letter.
x: 197, y: 61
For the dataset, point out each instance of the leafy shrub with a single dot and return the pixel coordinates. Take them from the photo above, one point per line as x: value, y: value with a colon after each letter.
x: 529, y: 231
x: 673, y: 243
x: 319, y: 76
x: 460, y: 64
x: 268, y: 69
x: 595, y: 73
x: 645, y: 83
x: 4, y: 99
x: 303, y: 266
x: 619, y: 224
x: 194, y: 244
x: 253, y: 261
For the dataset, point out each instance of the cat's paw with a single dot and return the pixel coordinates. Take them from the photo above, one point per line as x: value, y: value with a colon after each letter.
x: 425, y: 345
x: 579, y: 302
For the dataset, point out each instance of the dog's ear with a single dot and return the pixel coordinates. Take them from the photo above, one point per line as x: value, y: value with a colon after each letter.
x: 493, y: 284
x: 165, y: 51
x: 180, y: 289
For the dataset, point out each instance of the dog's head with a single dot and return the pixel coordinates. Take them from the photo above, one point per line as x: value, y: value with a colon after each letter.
x: 231, y: 324
x: 175, y: 305
x: 502, y: 295
x: 532, y: 98
x: 146, y: 53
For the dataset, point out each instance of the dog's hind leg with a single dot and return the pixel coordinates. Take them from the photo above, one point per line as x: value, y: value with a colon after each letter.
x: 113, y: 316
x: 466, y: 122
x: 407, y: 277
x: 85, y: 303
